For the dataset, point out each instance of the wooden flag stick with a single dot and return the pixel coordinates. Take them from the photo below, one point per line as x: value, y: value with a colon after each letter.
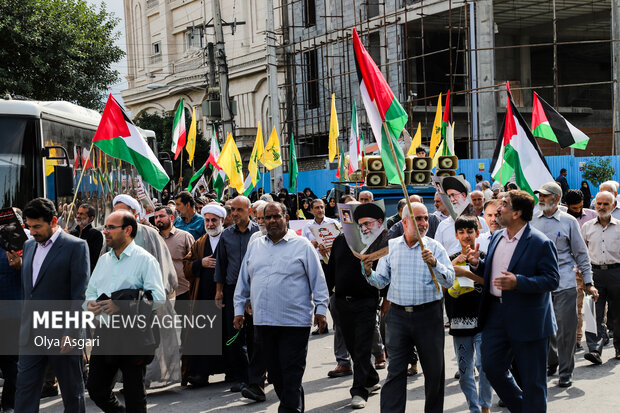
x: 78, y: 186
x: 402, y: 184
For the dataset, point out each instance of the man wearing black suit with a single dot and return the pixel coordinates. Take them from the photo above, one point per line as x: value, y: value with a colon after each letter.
x: 516, y: 315
x: 55, y: 266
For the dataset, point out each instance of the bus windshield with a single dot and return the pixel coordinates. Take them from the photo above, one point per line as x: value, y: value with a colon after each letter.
x: 19, y: 168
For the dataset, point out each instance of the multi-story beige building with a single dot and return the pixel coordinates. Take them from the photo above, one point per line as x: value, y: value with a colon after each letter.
x: 168, y: 59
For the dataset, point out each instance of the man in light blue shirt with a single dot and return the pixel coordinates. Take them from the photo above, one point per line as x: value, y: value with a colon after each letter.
x: 415, y: 317
x: 563, y: 230
x: 125, y: 266
x: 281, y: 276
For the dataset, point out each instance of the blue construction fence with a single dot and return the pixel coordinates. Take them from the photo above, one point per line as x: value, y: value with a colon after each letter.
x: 320, y: 180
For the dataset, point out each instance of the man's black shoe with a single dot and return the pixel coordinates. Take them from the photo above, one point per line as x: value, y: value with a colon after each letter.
x: 237, y: 387
x: 552, y: 369
x: 49, y: 391
x: 593, y: 357
x: 198, y: 381
x: 253, y: 392
x: 565, y: 382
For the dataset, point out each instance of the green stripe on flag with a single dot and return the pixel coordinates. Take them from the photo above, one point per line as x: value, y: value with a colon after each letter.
x: 545, y: 131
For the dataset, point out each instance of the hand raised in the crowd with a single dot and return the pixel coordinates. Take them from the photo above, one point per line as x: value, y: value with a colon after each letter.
x: 208, y: 262
x: 321, y: 321
x: 108, y: 307
x: 507, y: 282
x: 94, y: 307
x: 428, y: 257
x: 473, y: 256
x: 15, y: 261
x: 238, y: 322
x: 219, y: 299
x: 593, y: 292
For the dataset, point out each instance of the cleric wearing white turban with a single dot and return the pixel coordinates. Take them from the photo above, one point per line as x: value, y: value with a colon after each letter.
x: 214, y: 209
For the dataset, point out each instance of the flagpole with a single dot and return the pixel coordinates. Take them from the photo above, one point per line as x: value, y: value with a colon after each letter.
x: 181, y: 171
x: 404, y: 187
x: 78, y: 186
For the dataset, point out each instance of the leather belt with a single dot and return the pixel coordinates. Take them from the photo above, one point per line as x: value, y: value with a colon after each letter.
x: 414, y: 308
x: 605, y: 266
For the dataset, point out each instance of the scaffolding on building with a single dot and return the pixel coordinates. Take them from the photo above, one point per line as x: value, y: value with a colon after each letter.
x: 562, y: 49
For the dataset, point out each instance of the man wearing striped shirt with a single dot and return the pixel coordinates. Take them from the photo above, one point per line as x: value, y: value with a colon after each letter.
x: 415, y: 317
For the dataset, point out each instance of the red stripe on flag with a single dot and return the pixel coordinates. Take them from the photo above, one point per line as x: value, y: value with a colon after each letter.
x: 446, y: 111
x: 113, y: 123
x: 510, y: 129
x: 538, y: 113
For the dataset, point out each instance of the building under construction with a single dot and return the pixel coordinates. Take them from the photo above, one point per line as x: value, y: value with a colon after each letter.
x: 565, y: 50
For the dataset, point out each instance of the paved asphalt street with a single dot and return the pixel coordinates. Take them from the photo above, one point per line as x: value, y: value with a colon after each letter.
x: 595, y: 388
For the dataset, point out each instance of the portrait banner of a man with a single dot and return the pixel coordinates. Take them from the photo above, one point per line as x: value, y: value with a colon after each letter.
x: 364, y: 228
x: 454, y: 195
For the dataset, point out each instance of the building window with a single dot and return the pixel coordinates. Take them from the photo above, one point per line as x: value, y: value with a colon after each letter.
x: 156, y: 48
x: 373, y: 8
x: 312, y: 79
x: 310, y: 13
x: 193, y: 38
x: 374, y: 48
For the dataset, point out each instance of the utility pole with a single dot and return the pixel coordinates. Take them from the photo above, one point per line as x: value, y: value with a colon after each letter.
x: 220, y: 57
x: 272, y: 77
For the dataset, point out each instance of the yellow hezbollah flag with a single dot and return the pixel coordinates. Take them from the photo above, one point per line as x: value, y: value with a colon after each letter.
x: 271, y: 157
x: 257, y: 154
x: 436, y: 134
x: 190, y: 146
x: 442, y: 147
x: 416, y: 141
x: 230, y: 161
x: 334, y: 131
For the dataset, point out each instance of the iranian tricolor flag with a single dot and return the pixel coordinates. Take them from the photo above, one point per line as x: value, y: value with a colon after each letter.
x: 447, y: 129
x: 118, y: 137
x: 518, y: 154
x: 219, y: 176
x: 547, y: 123
x: 178, y: 131
x: 383, y: 110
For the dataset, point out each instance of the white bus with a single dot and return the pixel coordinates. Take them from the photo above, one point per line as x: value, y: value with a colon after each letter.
x: 38, y: 144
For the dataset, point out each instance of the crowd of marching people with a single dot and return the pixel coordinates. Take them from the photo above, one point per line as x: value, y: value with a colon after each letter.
x: 508, y: 279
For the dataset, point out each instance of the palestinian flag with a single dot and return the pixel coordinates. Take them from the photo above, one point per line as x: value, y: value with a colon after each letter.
x: 118, y: 137
x: 383, y: 111
x: 196, y: 177
x: 178, y: 131
x: 547, y: 123
x: 518, y: 154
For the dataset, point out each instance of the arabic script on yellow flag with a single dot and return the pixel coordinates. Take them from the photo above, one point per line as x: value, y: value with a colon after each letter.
x: 230, y: 161
x: 257, y: 154
x: 271, y: 157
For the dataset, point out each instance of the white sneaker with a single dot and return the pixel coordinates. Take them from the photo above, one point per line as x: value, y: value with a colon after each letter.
x: 373, y: 388
x: 357, y: 402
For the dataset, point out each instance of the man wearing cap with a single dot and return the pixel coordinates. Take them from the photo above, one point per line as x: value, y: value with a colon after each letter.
x: 369, y: 219
x: 563, y: 230
x: 199, y: 268
x: 188, y: 220
x: 602, y: 235
x: 166, y: 368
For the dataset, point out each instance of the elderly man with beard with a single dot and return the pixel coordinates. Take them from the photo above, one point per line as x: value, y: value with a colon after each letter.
x: 282, y: 277
x: 84, y: 230
x: 231, y: 249
x: 199, y: 267
x: 369, y: 219
x: 602, y: 235
x: 563, y: 230
x: 415, y: 317
x: 433, y: 222
x: 166, y: 368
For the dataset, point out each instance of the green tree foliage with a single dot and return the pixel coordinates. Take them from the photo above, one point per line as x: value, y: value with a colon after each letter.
x: 58, y: 50
x: 161, y: 124
x: 598, y: 170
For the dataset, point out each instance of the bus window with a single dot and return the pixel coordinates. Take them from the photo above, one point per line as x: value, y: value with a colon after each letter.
x: 20, y: 164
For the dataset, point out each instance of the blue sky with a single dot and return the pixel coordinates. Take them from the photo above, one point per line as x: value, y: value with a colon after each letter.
x: 116, y: 7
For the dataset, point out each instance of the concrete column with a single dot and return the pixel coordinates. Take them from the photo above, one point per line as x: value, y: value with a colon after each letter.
x: 487, y: 103
x: 615, y: 55
x: 526, y: 71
